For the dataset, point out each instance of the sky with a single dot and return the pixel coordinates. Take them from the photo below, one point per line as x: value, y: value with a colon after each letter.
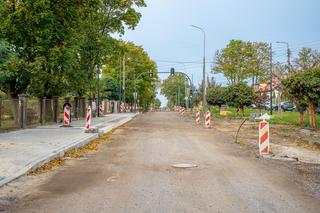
x: 164, y: 30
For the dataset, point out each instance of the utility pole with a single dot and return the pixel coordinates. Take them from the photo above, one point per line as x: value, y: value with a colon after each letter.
x: 186, y: 93
x: 204, y: 101
x: 124, y: 78
x: 120, y: 77
x: 289, y: 63
x: 98, y: 98
x: 177, y: 99
x: 179, y: 95
x: 271, y: 78
x: 288, y: 55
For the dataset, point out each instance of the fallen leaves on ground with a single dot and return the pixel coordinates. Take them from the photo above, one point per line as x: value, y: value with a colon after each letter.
x: 51, y: 165
x: 73, y: 153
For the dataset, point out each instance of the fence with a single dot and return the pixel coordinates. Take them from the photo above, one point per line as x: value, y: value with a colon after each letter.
x: 27, y: 111
x: 8, y: 114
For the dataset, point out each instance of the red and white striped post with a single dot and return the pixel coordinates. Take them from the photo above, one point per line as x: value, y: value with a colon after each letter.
x: 101, y: 108
x: 208, y: 119
x: 88, y: 118
x: 264, y: 137
x: 122, y: 107
x: 198, y: 118
x: 66, y: 115
x: 182, y: 110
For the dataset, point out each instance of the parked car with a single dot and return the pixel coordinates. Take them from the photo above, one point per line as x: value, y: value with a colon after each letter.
x: 267, y: 106
x: 287, y: 106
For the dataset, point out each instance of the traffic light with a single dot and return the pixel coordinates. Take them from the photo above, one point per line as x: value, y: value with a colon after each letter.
x: 150, y: 73
x: 172, y: 71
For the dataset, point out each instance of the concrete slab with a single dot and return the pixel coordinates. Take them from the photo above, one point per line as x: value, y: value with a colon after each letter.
x: 24, y: 150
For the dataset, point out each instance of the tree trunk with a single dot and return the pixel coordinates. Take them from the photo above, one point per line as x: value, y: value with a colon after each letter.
x: 312, y: 119
x: 242, y: 111
x: 301, y: 117
x: 219, y: 108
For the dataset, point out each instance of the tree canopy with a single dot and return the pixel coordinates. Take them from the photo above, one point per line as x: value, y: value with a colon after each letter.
x: 242, y: 60
x: 240, y: 95
x: 173, y: 88
x: 305, y: 86
x: 56, y: 48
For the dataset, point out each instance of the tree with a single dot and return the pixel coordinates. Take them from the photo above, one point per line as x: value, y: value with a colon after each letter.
x: 307, y: 59
x: 240, y: 95
x: 173, y: 88
x: 240, y: 61
x: 156, y: 103
x: 62, y: 50
x: 14, y: 75
x: 137, y: 66
x: 111, y: 88
x: 216, y: 96
x: 259, y: 62
x: 306, y: 86
x: 233, y: 61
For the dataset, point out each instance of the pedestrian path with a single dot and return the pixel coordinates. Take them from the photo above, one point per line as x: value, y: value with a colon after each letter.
x: 24, y: 150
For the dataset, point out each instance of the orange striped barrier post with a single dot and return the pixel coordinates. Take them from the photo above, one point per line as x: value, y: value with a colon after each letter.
x: 264, y: 142
x: 182, y: 110
x: 208, y: 119
x: 198, y: 118
x: 88, y: 118
x: 66, y: 115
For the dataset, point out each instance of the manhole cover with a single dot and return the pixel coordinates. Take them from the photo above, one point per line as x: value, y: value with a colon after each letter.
x: 184, y: 165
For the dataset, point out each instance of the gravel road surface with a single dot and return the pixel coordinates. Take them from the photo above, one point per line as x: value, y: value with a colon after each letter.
x: 133, y: 172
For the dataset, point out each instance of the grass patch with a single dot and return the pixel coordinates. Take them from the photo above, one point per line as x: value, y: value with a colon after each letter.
x: 277, y: 117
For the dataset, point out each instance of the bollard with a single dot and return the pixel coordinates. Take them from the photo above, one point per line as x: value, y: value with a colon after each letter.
x: 264, y: 137
x: 66, y: 117
x: 183, y: 110
x: 208, y: 119
x: 122, y: 107
x: 198, y: 118
x: 101, y: 109
x: 88, y: 118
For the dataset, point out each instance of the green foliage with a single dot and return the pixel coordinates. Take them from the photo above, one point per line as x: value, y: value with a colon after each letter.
x: 216, y: 96
x: 156, y: 103
x: 14, y: 74
x: 242, y: 60
x: 58, y: 47
x: 305, y: 87
x: 111, y: 88
x: 307, y: 59
x: 173, y: 88
x: 240, y: 95
x: 137, y: 66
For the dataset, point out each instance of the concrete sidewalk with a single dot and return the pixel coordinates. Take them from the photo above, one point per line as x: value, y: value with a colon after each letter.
x: 24, y: 150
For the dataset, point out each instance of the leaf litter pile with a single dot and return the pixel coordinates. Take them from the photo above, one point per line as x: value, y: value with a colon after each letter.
x: 76, y: 153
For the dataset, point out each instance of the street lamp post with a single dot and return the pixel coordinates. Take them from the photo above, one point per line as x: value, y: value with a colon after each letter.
x: 98, y: 101
x: 204, y: 102
x: 135, y: 94
x: 271, y: 79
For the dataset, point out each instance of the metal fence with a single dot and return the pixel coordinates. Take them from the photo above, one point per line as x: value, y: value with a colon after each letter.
x: 9, y: 114
x: 33, y: 115
x: 27, y: 111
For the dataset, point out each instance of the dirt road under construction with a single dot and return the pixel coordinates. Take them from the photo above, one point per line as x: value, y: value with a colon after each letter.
x: 134, y: 172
